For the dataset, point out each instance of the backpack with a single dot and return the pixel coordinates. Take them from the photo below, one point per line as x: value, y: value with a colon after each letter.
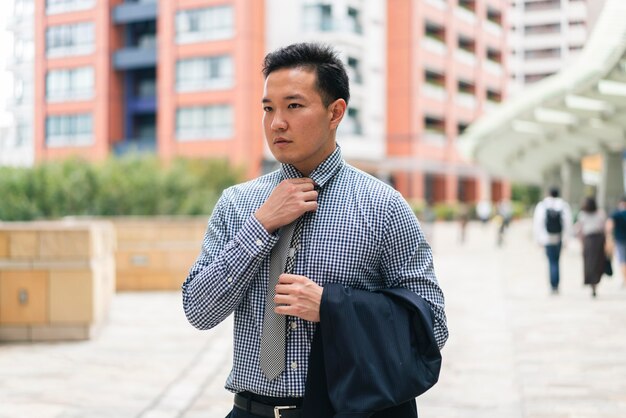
x: 554, y: 221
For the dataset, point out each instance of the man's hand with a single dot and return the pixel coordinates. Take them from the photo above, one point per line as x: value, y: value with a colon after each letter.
x: 298, y: 296
x: 288, y: 201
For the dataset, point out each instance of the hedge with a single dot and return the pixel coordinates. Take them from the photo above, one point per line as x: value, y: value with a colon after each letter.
x: 134, y: 185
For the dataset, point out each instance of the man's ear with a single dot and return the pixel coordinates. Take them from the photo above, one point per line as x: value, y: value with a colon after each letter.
x: 337, y: 109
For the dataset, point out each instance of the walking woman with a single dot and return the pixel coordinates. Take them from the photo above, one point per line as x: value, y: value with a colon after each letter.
x: 590, y: 228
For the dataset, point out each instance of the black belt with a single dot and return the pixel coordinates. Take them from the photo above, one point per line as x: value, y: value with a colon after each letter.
x: 271, y: 411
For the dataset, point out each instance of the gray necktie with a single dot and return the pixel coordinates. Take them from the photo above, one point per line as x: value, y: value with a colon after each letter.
x: 272, y: 355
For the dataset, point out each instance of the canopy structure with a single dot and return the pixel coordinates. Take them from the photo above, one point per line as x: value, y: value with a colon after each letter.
x: 553, y: 124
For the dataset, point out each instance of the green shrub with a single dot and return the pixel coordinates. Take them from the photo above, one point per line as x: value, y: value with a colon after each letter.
x: 134, y: 185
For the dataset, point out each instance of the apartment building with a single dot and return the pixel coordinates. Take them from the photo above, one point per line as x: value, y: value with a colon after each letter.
x: 445, y: 67
x: 183, y: 78
x: 546, y: 36
x: 16, y: 143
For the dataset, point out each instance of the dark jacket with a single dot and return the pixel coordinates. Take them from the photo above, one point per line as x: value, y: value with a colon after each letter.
x: 372, y: 354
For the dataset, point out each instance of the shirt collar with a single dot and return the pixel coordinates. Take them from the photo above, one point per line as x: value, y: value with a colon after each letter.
x: 324, y: 172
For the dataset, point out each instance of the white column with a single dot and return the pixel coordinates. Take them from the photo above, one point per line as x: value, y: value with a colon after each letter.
x: 611, y: 187
x: 573, y: 186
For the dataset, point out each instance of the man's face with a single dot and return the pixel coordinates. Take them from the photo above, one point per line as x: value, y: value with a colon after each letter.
x: 299, y: 129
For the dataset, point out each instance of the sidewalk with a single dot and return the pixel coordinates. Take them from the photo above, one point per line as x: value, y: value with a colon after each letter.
x: 514, y: 350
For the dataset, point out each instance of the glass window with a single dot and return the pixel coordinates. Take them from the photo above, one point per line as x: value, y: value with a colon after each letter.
x: 67, y: 40
x: 204, y: 122
x: 64, y: 6
x: 204, y: 73
x: 72, y: 84
x: 317, y: 17
x: 205, y: 24
x: 69, y: 130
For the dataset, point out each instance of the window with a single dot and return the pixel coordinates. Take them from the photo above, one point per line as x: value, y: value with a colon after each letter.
x: 543, y: 53
x: 206, y: 24
x: 69, y: 130
x: 494, y: 55
x: 435, y: 31
x: 65, y: 40
x: 435, y: 78
x: 73, y: 84
x: 494, y: 96
x: 317, y: 17
x: 204, y: 122
x: 542, y: 29
x: 542, y: 5
x: 351, y: 124
x: 64, y: 6
x: 494, y: 16
x: 466, y: 44
x: 354, y: 20
x: 354, y: 70
x: 205, y: 73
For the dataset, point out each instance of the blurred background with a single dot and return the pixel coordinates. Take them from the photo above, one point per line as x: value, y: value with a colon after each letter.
x: 122, y: 121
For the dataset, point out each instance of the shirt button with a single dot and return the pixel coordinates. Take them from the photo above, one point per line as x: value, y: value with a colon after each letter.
x: 229, y: 280
x: 293, y: 325
x: 294, y: 365
x: 258, y: 242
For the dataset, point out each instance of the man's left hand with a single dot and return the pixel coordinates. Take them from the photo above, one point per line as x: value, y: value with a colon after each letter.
x: 298, y: 296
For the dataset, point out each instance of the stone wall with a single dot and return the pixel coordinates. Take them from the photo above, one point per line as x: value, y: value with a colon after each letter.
x: 56, y: 279
x: 155, y: 253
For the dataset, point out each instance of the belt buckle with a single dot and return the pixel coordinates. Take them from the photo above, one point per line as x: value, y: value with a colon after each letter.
x: 277, y: 410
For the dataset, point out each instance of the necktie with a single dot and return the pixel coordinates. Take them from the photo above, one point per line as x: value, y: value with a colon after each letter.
x: 272, y: 355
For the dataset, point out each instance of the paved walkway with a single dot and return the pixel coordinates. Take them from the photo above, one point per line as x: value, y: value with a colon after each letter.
x: 514, y: 351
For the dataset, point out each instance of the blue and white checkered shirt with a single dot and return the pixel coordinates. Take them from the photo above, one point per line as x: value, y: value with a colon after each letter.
x: 363, y: 235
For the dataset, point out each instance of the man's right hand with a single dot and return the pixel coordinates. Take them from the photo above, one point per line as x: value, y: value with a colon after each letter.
x: 288, y: 201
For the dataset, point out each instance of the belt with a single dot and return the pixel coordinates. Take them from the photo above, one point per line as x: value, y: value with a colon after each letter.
x: 264, y: 410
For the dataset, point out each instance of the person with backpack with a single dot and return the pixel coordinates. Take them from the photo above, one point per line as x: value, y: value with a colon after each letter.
x: 552, y: 223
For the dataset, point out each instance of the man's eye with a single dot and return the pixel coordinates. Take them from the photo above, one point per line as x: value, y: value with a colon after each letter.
x: 294, y: 105
x: 267, y: 109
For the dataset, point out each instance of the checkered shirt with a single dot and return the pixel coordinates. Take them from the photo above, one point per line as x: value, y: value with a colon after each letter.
x: 363, y: 235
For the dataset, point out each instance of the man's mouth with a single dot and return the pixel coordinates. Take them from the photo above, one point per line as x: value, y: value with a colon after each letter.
x: 281, y: 141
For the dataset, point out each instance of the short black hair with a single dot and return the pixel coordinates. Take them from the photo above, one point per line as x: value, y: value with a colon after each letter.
x: 332, y: 79
x: 554, y: 191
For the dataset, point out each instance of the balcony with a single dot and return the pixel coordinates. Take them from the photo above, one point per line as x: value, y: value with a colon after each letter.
x: 135, y: 12
x: 466, y: 100
x: 135, y: 146
x: 465, y: 57
x: 434, y: 91
x: 131, y: 58
x: 434, y: 45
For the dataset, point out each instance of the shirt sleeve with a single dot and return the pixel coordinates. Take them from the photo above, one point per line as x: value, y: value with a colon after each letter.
x: 225, y: 267
x: 407, y: 262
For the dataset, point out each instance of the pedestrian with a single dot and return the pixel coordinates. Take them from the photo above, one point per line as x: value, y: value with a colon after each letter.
x: 483, y: 211
x: 589, y: 228
x: 355, y: 260
x: 616, y: 237
x: 505, y: 214
x: 463, y: 217
x: 552, y: 223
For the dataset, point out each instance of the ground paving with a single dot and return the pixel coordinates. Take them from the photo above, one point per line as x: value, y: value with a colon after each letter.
x: 514, y: 349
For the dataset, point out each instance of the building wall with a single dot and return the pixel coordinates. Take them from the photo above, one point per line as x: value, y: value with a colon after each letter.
x: 546, y: 36
x: 421, y: 71
x: 16, y: 143
x: 446, y: 67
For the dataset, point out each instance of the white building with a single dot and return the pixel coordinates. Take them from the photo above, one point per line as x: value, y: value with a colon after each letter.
x: 16, y: 144
x: 356, y: 29
x: 546, y: 36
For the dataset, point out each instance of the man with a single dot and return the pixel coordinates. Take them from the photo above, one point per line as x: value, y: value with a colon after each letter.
x: 349, y: 229
x: 552, y: 223
x: 616, y: 236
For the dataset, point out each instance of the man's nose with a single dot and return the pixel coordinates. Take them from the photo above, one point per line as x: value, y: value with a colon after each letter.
x: 278, y: 122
